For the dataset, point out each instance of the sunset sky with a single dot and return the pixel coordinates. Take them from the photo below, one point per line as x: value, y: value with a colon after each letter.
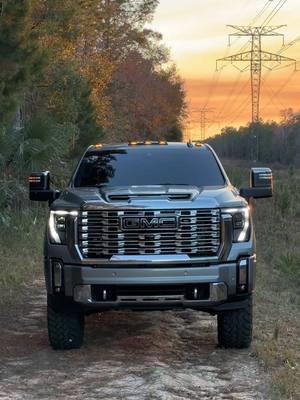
x: 196, y: 33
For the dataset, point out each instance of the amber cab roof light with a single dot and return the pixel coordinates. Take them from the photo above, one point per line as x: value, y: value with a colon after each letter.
x: 147, y: 142
x: 194, y: 144
x: 197, y: 144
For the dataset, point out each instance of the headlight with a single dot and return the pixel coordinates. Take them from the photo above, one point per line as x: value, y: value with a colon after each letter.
x: 58, y: 225
x: 240, y: 223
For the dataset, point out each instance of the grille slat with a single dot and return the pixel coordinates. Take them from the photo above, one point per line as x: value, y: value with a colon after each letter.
x: 144, y: 236
x: 171, y: 241
x: 192, y: 227
x: 102, y: 234
x: 149, y: 245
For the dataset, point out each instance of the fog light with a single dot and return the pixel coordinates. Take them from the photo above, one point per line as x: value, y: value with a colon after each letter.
x: 242, y: 275
x: 82, y: 293
x: 57, y: 275
x: 218, y: 291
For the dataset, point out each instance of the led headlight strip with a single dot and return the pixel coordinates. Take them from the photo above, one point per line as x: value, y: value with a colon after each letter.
x: 52, y: 223
x: 245, y: 211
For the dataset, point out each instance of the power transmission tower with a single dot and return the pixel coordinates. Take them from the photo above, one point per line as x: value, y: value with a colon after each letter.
x: 256, y: 57
x: 203, y: 120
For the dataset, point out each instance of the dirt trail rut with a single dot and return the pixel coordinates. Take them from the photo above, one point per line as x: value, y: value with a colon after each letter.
x: 126, y: 355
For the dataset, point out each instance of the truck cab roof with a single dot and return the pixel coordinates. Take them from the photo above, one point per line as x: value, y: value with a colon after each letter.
x: 147, y: 144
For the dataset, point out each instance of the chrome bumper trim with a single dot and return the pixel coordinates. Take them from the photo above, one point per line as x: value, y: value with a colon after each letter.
x: 146, y: 259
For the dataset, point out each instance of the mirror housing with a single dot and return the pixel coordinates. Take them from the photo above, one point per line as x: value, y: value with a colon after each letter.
x: 39, y: 187
x: 261, y: 184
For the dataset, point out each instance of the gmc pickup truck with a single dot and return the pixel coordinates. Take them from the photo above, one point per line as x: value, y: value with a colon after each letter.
x: 150, y: 226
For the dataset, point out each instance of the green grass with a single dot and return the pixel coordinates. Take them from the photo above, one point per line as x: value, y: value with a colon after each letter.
x: 289, y: 267
x: 21, y: 248
x: 277, y: 297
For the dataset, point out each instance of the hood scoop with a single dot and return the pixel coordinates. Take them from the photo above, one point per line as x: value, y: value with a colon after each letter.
x: 128, y: 197
x: 169, y: 193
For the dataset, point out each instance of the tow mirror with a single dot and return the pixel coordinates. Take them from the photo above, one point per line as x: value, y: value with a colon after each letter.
x: 39, y: 187
x: 261, y: 184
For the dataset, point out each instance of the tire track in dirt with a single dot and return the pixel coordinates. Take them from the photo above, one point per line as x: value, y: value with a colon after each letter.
x: 126, y: 355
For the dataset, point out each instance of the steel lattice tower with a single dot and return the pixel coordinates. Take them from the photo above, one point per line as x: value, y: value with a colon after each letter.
x: 203, y: 120
x: 256, y: 58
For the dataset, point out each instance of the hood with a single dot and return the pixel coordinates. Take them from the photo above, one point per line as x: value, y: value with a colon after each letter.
x: 160, y: 196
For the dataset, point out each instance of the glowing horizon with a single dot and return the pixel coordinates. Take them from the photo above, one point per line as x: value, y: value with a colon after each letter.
x: 196, y: 33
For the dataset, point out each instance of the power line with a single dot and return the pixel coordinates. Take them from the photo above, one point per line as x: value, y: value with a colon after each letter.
x: 240, y: 109
x: 274, y: 100
x: 283, y: 48
x: 253, y: 21
x: 285, y: 83
x: 268, y: 3
x: 255, y: 65
x: 217, y: 73
x: 247, y: 102
x: 236, y: 110
x: 256, y: 57
x: 213, y: 85
x: 277, y: 8
x: 227, y: 102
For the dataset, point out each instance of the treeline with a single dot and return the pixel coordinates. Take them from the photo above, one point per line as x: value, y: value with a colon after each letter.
x: 77, y: 72
x: 268, y: 142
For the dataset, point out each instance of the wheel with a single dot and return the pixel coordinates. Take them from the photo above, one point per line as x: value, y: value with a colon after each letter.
x: 65, y: 329
x: 235, y: 327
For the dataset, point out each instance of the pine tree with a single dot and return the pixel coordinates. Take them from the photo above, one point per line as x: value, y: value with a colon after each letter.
x: 20, y: 56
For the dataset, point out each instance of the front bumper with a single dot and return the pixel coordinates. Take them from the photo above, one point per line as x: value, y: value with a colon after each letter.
x: 217, y: 283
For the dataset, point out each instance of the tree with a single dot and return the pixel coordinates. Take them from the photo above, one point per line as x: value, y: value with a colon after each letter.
x: 65, y: 94
x: 174, y: 135
x: 77, y: 69
x: 118, y: 29
x: 120, y: 26
x: 98, y: 36
x: 21, y: 59
x: 147, y: 102
x: 268, y: 142
x: 99, y: 61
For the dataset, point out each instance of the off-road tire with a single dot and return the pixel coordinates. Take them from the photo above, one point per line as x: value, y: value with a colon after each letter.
x: 235, y: 327
x: 65, y: 329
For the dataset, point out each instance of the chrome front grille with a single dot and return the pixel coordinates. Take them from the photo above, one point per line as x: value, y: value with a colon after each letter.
x: 104, y: 233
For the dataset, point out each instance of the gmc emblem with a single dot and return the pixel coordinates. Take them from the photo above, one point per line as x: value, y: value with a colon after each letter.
x: 148, y: 223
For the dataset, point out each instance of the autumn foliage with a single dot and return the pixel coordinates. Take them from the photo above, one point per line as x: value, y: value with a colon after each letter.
x: 102, y: 52
x: 74, y: 73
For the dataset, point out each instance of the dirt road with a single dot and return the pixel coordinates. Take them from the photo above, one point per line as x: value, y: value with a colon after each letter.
x: 126, y: 355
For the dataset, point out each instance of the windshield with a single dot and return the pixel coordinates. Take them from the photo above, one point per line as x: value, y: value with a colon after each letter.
x: 153, y: 165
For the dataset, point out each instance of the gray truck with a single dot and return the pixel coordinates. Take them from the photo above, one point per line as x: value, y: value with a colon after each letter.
x: 150, y: 226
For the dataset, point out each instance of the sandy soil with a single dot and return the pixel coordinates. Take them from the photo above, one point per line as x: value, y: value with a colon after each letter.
x: 126, y: 355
